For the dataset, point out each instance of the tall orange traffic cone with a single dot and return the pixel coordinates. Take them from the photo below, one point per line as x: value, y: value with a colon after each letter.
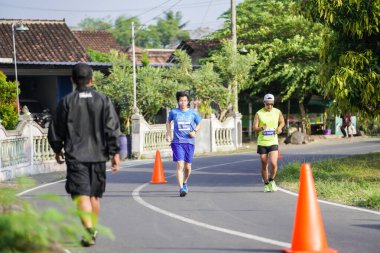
x: 308, y: 232
x: 158, y: 176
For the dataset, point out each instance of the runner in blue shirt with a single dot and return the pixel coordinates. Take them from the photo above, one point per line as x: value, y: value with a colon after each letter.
x: 186, y: 125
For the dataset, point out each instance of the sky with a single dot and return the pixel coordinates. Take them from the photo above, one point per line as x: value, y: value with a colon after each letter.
x: 197, y: 13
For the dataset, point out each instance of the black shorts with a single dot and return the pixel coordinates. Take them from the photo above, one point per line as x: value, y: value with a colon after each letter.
x: 88, y: 179
x: 266, y: 149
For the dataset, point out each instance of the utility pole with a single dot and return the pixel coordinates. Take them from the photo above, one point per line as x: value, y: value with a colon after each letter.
x: 135, y: 109
x: 234, y: 44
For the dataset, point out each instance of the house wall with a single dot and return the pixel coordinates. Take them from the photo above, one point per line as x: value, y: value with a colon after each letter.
x: 47, y: 91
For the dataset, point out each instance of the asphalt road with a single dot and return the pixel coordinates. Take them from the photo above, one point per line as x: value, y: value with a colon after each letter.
x: 226, y: 209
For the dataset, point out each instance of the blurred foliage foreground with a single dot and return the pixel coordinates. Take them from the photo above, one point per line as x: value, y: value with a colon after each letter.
x: 24, y: 228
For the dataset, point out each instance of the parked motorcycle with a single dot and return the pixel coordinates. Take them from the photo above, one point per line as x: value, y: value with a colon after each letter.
x: 44, y: 118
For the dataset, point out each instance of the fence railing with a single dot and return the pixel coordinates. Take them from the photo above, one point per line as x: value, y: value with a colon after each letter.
x: 12, y: 151
x: 223, y: 137
x: 41, y: 149
x: 213, y: 136
x: 26, y: 150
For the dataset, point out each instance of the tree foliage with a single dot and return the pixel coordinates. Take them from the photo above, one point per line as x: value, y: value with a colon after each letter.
x: 123, y: 29
x: 168, y: 31
x: 286, y: 44
x: 232, y: 67
x: 8, y: 104
x: 350, y: 54
x: 171, y: 30
x: 95, y: 24
x: 23, y: 228
x: 118, y: 86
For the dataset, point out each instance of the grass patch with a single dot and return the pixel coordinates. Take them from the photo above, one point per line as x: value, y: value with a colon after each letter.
x: 353, y: 180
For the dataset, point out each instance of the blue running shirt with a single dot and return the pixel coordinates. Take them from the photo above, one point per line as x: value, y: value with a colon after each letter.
x: 184, y: 123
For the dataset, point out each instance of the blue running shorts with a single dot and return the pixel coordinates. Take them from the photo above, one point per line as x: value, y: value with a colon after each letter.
x: 183, y: 152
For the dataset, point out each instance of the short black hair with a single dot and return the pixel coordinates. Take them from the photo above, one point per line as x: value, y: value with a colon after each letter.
x: 81, y: 74
x: 182, y: 94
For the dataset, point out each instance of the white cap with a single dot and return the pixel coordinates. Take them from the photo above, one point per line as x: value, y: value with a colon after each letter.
x: 268, y: 97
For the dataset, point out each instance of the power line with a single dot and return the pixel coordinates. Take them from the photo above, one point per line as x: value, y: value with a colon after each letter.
x: 204, y: 16
x: 189, y: 5
x: 162, y: 12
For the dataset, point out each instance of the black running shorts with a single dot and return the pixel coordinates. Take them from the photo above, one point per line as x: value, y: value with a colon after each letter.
x: 88, y: 179
x: 266, y: 149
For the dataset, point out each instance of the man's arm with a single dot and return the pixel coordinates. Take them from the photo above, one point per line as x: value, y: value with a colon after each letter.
x: 112, y: 131
x: 57, y: 132
x: 281, y: 125
x: 256, y: 127
x: 168, y: 131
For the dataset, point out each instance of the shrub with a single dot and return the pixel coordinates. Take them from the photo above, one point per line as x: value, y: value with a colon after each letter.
x: 8, y: 104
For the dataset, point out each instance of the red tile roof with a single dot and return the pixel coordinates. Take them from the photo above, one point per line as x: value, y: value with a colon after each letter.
x: 198, y: 49
x: 102, y: 41
x: 45, y: 41
x: 154, y: 55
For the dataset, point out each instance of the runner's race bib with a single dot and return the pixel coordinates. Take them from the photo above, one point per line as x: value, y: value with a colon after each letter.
x: 269, y: 133
x: 184, y: 125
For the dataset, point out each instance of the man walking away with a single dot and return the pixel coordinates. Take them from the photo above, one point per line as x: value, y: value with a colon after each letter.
x: 87, y: 128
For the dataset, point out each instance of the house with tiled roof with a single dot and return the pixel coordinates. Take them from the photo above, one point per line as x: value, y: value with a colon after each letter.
x: 156, y: 56
x: 45, y: 53
x: 103, y: 41
x: 197, y: 49
x: 99, y: 40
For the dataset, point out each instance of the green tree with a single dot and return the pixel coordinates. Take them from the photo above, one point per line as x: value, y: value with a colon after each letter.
x: 171, y: 30
x: 350, y: 54
x: 233, y: 68
x: 119, y: 87
x: 123, y: 29
x: 97, y: 56
x: 95, y: 24
x: 148, y: 37
x: 8, y: 104
x: 287, y: 45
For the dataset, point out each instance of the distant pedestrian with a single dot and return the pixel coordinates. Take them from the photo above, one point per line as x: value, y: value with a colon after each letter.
x: 346, y: 123
x: 186, y: 125
x: 268, y: 122
x: 87, y: 127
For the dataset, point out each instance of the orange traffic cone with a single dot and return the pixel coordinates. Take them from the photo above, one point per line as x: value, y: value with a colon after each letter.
x: 158, y: 176
x: 308, y: 232
x: 279, y: 156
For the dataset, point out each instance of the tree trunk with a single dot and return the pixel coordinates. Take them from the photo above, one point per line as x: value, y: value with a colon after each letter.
x: 303, y: 116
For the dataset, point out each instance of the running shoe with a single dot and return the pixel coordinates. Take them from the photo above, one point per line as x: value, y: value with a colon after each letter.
x: 90, y: 238
x: 185, y: 188
x: 182, y: 192
x: 266, y: 188
x: 272, y: 186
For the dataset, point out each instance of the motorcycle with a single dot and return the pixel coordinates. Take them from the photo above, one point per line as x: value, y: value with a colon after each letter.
x: 44, y: 118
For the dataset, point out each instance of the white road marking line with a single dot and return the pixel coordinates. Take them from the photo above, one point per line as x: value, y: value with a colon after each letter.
x: 136, y: 196
x: 63, y: 180
x: 335, y: 204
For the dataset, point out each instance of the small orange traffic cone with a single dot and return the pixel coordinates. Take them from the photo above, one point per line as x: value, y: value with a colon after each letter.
x: 308, y: 232
x: 279, y: 156
x: 158, y: 176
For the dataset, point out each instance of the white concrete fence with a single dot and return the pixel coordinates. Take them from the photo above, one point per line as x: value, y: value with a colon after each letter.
x: 213, y: 136
x: 26, y: 151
